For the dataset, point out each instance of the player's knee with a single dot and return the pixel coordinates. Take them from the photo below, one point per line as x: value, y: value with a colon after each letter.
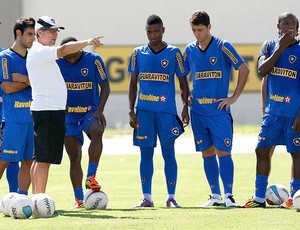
x: 96, y: 134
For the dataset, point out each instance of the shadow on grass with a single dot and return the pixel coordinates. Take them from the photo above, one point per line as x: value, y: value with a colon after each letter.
x: 98, y: 214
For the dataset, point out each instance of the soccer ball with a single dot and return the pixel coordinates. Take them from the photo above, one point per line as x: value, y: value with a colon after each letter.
x: 44, y: 206
x: 4, y: 202
x: 20, y: 207
x: 276, y: 194
x: 296, y: 200
x: 95, y: 199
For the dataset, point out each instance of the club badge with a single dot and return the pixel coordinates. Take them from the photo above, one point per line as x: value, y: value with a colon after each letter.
x: 175, y: 131
x: 164, y: 63
x: 296, y: 141
x: 84, y: 71
x: 292, y: 59
x: 227, y: 142
x: 213, y: 60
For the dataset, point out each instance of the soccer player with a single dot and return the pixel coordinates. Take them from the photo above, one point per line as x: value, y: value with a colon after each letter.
x: 17, y: 125
x: 154, y: 66
x: 279, y: 60
x: 210, y: 60
x: 84, y: 72
x: 12, y: 170
x: 49, y: 96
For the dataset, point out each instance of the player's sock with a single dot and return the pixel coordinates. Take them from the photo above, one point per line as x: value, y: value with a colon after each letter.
x: 171, y: 196
x: 261, y: 184
x: 78, y: 193
x: 294, y: 186
x: 211, y: 169
x: 23, y: 192
x: 147, y: 196
x: 170, y: 167
x: 226, y: 172
x: 92, y: 169
x: 146, y: 169
x: 12, y: 172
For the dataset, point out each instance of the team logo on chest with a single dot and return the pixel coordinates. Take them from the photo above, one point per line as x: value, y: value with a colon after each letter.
x: 84, y: 71
x: 164, y: 63
x: 292, y: 58
x: 213, y: 60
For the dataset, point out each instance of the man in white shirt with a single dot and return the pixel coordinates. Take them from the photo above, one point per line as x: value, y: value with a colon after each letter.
x: 49, y: 96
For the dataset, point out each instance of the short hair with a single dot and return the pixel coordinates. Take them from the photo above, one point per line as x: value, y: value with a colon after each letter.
x: 200, y: 17
x: 22, y: 24
x: 68, y: 39
x: 286, y: 14
x: 154, y: 19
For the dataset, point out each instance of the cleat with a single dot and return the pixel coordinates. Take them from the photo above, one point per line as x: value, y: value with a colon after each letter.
x: 213, y: 201
x: 78, y: 204
x: 91, y: 183
x: 171, y: 203
x: 287, y: 204
x: 145, y: 204
x: 230, y: 202
x: 251, y: 203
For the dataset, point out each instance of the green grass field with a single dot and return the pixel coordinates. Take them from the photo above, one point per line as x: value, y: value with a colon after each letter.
x: 119, y: 176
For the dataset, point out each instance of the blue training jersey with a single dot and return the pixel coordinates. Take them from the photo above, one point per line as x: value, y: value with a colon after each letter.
x: 156, y: 72
x: 210, y: 73
x: 16, y: 106
x: 283, y: 83
x: 82, y: 80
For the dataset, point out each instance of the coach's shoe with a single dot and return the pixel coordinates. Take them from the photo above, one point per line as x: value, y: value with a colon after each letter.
x: 91, y: 183
x: 287, y: 204
x: 145, y: 204
x: 230, y: 202
x: 78, y: 204
x: 213, y: 201
x: 171, y: 203
x: 251, y: 203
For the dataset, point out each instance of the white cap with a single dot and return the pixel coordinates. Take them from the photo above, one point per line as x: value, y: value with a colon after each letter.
x: 45, y: 22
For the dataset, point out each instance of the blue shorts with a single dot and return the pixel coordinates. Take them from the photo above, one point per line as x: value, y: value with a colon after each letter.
x: 212, y: 131
x: 75, y: 128
x: 277, y: 130
x: 152, y: 124
x: 17, y: 142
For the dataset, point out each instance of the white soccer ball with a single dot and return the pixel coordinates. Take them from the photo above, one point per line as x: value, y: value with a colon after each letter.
x: 296, y: 200
x: 44, y: 206
x: 20, y: 207
x: 95, y: 199
x: 276, y: 194
x: 4, y: 202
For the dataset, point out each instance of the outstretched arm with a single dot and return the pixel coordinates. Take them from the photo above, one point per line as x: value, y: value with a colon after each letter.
x: 73, y: 47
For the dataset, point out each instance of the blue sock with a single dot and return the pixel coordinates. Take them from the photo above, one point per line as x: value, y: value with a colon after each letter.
x: 23, y: 192
x: 146, y: 169
x: 170, y: 168
x: 226, y: 172
x: 12, y: 172
x: 261, y: 184
x: 294, y: 186
x: 78, y: 193
x: 211, y: 169
x: 92, y: 169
